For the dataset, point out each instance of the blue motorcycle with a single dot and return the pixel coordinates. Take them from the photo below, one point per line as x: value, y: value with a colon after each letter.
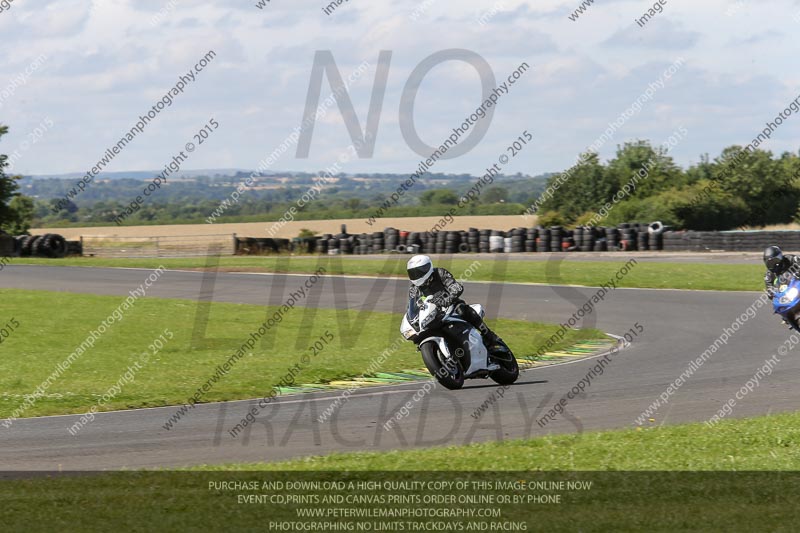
x: 786, y: 301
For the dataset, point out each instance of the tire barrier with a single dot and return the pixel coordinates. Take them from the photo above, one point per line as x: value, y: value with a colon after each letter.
x: 483, y: 244
x: 496, y: 243
x: 556, y: 239
x: 50, y: 245
x: 531, y: 239
x: 625, y: 237
x: 655, y: 228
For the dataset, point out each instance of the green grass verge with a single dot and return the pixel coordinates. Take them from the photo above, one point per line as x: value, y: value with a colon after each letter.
x: 767, y: 443
x: 53, y: 325
x: 734, y: 489
x: 590, y: 273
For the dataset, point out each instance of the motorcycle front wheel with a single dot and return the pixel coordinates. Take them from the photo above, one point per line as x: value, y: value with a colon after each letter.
x: 508, y: 371
x: 448, y: 373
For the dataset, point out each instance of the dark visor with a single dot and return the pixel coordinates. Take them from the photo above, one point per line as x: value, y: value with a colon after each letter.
x: 418, y: 272
x: 773, y: 262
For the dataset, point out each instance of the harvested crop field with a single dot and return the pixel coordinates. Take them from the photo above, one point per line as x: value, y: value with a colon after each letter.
x: 292, y: 229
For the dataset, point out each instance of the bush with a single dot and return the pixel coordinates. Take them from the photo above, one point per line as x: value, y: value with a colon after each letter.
x: 705, y: 207
x: 585, y: 218
x: 552, y: 218
x: 657, y: 207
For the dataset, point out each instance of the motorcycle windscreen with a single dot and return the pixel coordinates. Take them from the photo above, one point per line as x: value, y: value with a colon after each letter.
x: 412, y: 312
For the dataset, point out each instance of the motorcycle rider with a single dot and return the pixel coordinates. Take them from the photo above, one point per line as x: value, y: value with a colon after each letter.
x: 778, y: 264
x: 439, y: 287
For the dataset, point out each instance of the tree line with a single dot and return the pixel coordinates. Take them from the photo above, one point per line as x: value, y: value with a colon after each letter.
x: 739, y: 188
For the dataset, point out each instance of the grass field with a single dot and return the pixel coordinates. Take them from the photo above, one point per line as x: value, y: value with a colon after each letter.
x: 51, y: 326
x: 725, y: 277
x: 292, y: 228
x: 768, y: 443
x: 739, y: 476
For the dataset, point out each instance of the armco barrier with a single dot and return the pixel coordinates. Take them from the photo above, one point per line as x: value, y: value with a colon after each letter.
x: 731, y: 241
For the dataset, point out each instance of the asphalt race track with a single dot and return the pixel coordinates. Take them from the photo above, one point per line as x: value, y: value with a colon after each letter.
x: 678, y: 327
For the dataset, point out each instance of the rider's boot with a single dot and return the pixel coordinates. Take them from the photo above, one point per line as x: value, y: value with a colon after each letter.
x: 490, y: 339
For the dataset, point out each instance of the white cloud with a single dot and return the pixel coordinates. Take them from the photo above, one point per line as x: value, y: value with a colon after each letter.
x: 108, y: 63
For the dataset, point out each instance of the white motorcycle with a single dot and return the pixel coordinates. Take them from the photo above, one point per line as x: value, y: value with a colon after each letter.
x: 453, y: 349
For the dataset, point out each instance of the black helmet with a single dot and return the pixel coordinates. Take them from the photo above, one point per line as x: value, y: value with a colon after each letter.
x: 774, y: 259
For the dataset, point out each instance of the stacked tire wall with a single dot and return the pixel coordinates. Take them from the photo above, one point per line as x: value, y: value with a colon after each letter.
x: 626, y: 237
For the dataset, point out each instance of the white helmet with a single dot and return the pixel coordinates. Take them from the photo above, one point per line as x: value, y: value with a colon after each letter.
x: 420, y: 268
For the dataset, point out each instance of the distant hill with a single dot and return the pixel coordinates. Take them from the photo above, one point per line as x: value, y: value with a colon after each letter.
x: 141, y: 174
x: 199, y: 193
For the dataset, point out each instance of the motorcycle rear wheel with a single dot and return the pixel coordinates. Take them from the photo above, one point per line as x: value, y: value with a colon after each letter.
x: 448, y: 373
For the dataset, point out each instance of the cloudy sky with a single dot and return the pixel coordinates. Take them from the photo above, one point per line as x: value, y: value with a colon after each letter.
x: 109, y: 61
